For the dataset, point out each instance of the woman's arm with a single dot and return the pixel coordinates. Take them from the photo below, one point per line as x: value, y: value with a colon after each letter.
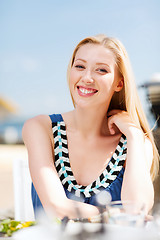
x: 38, y: 138
x: 137, y: 184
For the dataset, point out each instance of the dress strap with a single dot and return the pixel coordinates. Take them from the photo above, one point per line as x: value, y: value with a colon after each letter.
x: 56, y: 118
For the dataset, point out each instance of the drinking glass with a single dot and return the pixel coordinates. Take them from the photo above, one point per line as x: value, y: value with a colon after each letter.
x: 126, y: 214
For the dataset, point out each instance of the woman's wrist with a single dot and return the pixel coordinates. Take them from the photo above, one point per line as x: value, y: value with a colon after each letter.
x: 135, y: 132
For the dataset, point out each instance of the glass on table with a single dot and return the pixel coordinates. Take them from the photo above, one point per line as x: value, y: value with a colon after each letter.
x: 126, y: 213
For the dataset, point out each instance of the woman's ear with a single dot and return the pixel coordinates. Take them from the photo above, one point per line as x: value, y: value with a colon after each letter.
x: 119, y: 85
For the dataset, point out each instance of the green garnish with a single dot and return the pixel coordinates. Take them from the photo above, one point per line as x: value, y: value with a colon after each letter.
x: 9, y: 226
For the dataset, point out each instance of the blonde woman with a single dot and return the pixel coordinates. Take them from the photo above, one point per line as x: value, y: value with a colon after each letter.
x: 103, y: 144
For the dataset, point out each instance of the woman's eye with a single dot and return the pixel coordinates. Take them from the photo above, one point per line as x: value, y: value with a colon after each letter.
x: 79, y: 66
x: 102, y: 70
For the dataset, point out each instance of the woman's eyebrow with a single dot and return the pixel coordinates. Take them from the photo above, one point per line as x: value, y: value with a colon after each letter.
x: 101, y: 63
x: 98, y: 63
x: 80, y: 59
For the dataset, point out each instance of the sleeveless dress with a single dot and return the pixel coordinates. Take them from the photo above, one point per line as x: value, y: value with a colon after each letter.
x: 110, y: 179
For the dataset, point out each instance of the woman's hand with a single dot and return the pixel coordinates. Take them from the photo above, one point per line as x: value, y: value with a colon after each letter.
x: 121, y: 120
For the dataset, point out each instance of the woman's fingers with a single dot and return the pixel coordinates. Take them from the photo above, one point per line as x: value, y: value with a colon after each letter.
x: 118, y: 121
x: 111, y: 125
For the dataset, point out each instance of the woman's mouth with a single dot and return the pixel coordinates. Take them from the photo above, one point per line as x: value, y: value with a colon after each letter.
x: 83, y: 91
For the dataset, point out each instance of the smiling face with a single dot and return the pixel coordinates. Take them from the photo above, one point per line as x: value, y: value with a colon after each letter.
x: 94, y: 76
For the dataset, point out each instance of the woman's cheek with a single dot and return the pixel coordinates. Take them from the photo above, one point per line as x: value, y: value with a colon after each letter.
x: 73, y: 77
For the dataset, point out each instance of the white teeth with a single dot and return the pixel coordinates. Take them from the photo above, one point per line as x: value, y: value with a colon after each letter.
x: 85, y: 90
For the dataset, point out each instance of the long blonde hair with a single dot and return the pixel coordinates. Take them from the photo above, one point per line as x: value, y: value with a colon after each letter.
x: 127, y: 99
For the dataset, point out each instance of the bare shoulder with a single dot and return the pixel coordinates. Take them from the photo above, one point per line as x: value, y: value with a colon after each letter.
x: 37, y: 126
x: 40, y: 121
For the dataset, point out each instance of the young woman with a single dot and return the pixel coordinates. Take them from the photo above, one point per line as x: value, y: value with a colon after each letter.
x: 103, y: 144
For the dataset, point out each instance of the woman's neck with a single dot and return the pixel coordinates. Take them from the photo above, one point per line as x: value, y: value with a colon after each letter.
x: 90, y: 122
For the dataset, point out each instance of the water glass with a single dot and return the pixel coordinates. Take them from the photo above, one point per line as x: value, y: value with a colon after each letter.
x: 126, y: 214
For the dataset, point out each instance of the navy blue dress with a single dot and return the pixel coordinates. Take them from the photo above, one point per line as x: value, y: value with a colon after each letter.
x: 110, y: 179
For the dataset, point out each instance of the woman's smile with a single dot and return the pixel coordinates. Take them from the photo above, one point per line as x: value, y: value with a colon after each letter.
x: 85, y: 91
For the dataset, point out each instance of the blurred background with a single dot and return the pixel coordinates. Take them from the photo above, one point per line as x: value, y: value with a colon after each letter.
x: 36, y: 43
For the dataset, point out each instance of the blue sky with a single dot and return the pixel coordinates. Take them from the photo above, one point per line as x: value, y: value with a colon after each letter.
x: 38, y: 37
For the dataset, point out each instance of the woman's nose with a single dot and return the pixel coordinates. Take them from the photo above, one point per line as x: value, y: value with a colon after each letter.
x: 87, y: 77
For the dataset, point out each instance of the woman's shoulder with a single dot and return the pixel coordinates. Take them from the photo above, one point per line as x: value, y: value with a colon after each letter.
x: 36, y: 127
x: 40, y: 126
x: 39, y: 121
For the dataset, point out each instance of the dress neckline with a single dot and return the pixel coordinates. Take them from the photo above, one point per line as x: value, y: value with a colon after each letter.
x: 112, y: 162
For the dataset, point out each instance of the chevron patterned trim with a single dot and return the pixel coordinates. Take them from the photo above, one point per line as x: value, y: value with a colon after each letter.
x: 65, y: 173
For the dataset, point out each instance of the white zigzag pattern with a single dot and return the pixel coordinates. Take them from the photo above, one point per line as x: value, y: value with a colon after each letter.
x: 64, y: 160
x: 54, y: 129
x: 64, y: 141
x: 105, y: 185
x: 114, y: 155
x: 71, y: 178
x: 110, y: 176
x: 60, y: 172
x: 122, y: 157
x: 98, y: 181
x: 57, y: 150
x: 70, y: 187
x: 67, y: 168
x: 62, y: 132
x: 123, y: 140
x: 62, y: 123
x: 95, y: 190
x: 119, y: 148
x: 77, y: 192
x: 110, y: 164
x: 56, y: 139
x: 65, y: 150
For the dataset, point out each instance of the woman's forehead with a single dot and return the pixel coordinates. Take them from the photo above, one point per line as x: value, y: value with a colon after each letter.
x: 95, y: 52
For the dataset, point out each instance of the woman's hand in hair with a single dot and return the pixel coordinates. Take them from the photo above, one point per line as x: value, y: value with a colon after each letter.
x: 121, y: 120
